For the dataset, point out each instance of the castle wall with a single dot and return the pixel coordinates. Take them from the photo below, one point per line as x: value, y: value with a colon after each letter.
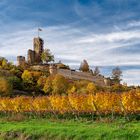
x: 40, y: 67
x: 99, y: 80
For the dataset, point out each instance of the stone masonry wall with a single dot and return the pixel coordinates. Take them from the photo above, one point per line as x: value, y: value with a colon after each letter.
x: 99, y: 80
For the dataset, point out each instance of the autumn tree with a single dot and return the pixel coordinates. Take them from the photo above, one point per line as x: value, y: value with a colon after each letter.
x: 27, y: 77
x: 119, y: 88
x: 36, y: 75
x: 80, y: 86
x: 16, y: 71
x: 41, y: 81
x: 29, y: 81
x: 84, y: 66
x: 5, y: 86
x: 71, y: 90
x: 31, y: 76
x: 59, y: 84
x: 48, y: 86
x: 4, y: 63
x: 116, y: 75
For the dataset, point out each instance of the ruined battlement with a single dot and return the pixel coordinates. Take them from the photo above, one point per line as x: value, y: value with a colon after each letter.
x: 31, y: 56
x: 34, y: 56
x: 21, y: 60
x: 35, y: 62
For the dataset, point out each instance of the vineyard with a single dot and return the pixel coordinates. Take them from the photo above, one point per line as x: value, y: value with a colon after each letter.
x: 101, y: 103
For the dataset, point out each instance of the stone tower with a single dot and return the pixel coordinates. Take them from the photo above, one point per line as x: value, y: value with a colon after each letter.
x: 31, y: 57
x: 38, y: 48
x: 21, y: 60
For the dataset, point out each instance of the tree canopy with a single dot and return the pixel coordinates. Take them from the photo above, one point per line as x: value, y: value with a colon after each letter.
x: 46, y: 56
x: 84, y: 66
x: 116, y: 75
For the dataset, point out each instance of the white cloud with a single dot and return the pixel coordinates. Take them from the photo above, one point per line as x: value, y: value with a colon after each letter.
x: 111, y: 37
x: 72, y: 45
x: 134, y: 24
x: 132, y: 77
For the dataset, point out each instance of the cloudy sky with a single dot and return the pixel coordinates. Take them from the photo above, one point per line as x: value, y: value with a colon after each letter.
x: 104, y: 32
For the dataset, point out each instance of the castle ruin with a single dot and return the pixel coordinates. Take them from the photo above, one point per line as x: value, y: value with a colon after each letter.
x: 21, y: 60
x: 35, y: 62
x: 33, y: 56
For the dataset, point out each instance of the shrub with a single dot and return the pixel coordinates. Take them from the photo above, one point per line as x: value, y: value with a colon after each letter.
x: 48, y: 85
x: 5, y: 86
x: 81, y: 86
x: 31, y: 77
x: 41, y: 81
x: 15, y: 82
x: 27, y: 77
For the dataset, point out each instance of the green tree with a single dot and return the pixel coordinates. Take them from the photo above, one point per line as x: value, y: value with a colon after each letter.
x: 46, y: 56
x: 15, y: 82
x: 27, y: 77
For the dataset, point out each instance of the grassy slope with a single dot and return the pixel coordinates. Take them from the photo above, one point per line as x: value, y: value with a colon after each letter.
x: 73, y: 130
